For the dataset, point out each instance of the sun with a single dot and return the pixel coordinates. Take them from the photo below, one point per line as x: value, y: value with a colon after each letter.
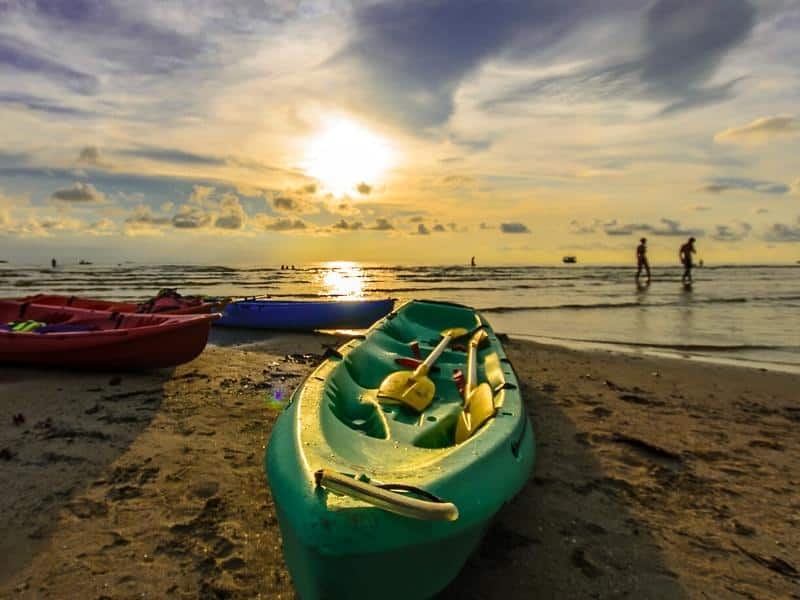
x: 344, y: 155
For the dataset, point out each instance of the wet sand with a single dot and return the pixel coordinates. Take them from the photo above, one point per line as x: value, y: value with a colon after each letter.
x: 655, y: 478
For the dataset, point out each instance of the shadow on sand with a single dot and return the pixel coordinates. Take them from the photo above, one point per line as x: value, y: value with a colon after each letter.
x: 570, y: 533
x: 61, y: 430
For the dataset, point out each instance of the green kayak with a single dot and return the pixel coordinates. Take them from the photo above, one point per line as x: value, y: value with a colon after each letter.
x: 386, y: 471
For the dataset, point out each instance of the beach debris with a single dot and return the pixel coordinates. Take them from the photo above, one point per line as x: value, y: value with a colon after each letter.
x: 581, y: 560
x: 742, y: 529
x: 612, y: 386
x: 7, y: 454
x: 601, y: 412
x: 775, y: 563
x: 637, y: 399
x: 646, y: 446
x: 18, y: 419
x: 655, y: 374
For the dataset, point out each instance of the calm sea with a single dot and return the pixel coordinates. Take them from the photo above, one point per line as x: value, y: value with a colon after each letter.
x: 742, y: 315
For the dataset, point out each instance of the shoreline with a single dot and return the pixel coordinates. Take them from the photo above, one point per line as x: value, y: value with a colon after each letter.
x: 665, y: 352
x: 660, y: 478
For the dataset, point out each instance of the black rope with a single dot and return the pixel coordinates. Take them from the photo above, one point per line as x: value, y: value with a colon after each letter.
x: 402, y: 487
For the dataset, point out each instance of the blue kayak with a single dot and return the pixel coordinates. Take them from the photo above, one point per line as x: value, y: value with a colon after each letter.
x: 305, y: 315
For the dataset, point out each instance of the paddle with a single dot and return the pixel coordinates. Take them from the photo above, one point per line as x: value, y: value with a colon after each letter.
x: 478, y: 399
x: 414, y: 388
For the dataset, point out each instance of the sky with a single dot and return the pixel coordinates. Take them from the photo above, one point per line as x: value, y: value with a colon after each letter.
x: 405, y: 131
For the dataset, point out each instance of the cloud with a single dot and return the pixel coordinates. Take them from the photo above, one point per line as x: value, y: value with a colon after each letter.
x: 484, y: 226
x: 231, y: 214
x: 674, y: 229
x: 668, y: 228
x: 17, y: 55
x: 439, y: 227
x: 285, y: 203
x: 726, y: 233
x: 79, y: 193
x: 382, y: 225
x: 759, y: 131
x: 780, y: 232
x: 796, y: 186
x: 683, y: 44
x: 171, y: 155
x: 285, y: 225
x: 297, y: 200
x: 44, y: 105
x: 364, y: 189
x: 89, y: 155
x: 142, y: 215
x: 514, y: 227
x: 347, y: 226
x: 191, y: 217
x: 422, y: 229
x: 719, y: 185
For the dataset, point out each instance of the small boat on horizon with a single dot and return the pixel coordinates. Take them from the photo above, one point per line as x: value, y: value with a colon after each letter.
x: 569, y: 259
x: 305, y: 315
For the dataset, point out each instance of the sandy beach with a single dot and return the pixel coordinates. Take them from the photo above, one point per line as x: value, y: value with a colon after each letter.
x: 655, y: 478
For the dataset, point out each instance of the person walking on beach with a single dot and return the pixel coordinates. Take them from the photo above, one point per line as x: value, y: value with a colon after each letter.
x: 472, y: 262
x: 685, y: 254
x: 641, y: 260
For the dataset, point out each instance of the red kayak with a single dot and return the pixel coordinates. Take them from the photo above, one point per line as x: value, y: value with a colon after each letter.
x: 63, y: 336
x: 173, y: 304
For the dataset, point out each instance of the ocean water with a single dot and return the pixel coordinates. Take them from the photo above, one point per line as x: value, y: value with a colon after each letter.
x: 732, y: 314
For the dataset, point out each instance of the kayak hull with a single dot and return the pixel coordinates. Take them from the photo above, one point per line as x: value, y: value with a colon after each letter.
x: 111, y: 306
x: 123, y: 341
x: 342, y: 547
x: 304, y: 315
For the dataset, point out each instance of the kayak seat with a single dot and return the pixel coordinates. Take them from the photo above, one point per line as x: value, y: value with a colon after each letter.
x: 354, y: 405
x: 368, y: 366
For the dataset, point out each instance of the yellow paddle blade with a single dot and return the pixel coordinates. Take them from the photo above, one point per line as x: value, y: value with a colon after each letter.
x: 401, y: 386
x: 478, y: 410
x: 455, y: 332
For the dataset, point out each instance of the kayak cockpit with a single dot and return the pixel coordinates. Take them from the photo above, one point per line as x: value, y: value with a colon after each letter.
x: 352, y: 391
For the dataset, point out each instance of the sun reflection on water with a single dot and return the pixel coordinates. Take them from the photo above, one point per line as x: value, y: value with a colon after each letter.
x: 343, y: 278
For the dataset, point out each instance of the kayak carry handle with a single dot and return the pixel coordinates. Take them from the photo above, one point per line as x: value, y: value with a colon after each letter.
x: 384, y: 498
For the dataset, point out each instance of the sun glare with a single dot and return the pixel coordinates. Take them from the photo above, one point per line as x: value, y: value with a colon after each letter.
x: 343, y: 279
x: 345, y: 154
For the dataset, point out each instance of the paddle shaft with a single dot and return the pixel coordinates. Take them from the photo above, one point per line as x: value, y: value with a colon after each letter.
x: 472, y: 365
x: 426, y: 365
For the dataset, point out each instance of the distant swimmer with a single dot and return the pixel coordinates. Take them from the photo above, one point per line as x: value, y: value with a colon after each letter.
x: 685, y: 254
x: 472, y: 262
x: 641, y: 260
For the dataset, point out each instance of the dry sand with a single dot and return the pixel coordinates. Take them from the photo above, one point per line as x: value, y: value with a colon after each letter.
x: 655, y: 478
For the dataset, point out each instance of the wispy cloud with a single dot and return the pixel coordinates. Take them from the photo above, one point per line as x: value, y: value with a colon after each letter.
x: 666, y: 228
x: 719, y: 185
x: 683, y: 45
x: 760, y: 130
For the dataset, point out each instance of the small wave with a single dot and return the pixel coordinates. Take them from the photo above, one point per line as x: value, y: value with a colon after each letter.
x: 601, y: 305
x: 679, y: 347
